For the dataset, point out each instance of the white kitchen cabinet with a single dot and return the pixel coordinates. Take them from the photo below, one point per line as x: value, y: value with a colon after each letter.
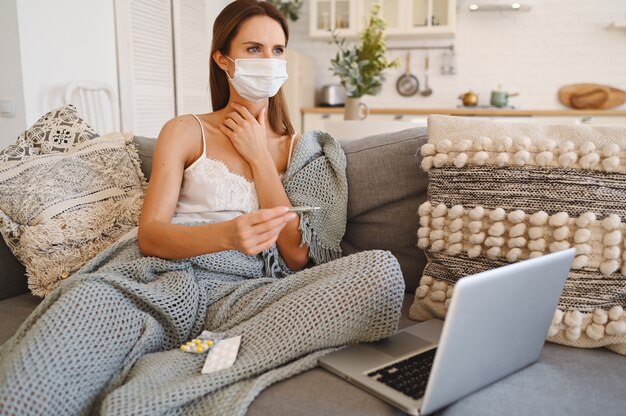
x: 602, y: 120
x: 418, y: 119
x: 346, y: 130
x: 586, y: 120
x: 428, y: 17
x: 317, y: 121
x: 327, y: 15
x: 392, y: 11
x: 314, y: 119
x: 403, y: 17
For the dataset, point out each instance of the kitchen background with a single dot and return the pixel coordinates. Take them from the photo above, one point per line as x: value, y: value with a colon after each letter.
x: 160, y: 69
x: 557, y: 42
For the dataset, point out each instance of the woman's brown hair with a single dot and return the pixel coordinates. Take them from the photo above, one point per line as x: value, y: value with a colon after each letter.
x: 225, y: 29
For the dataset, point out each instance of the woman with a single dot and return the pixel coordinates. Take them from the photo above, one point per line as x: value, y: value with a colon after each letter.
x: 250, y: 135
x: 216, y: 250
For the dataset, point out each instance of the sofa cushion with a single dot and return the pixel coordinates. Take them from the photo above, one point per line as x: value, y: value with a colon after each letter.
x: 503, y: 192
x: 59, y: 210
x: 145, y: 149
x: 13, y: 276
x: 14, y: 312
x: 385, y: 188
x: 565, y: 381
x: 56, y: 131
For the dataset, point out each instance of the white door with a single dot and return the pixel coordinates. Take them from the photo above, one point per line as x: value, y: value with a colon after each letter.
x: 191, y: 56
x: 145, y: 65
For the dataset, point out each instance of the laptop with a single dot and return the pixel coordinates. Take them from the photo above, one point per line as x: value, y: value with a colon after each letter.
x: 496, y: 324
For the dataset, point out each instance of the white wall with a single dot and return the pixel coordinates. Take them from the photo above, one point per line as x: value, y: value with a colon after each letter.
x: 64, y: 41
x: 557, y: 43
x: 10, y: 73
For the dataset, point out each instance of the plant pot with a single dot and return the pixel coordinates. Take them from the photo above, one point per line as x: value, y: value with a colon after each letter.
x: 355, y: 109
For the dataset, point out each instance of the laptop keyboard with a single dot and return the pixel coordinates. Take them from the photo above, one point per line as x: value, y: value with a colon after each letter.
x: 409, y: 376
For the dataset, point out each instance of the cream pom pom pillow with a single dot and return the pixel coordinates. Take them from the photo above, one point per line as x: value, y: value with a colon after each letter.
x: 504, y: 192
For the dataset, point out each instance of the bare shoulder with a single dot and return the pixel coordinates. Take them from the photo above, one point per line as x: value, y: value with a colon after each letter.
x: 180, y: 128
x: 181, y: 135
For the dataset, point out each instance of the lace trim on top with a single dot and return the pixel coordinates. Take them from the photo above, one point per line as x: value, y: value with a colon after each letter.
x: 231, y: 191
x: 209, y: 186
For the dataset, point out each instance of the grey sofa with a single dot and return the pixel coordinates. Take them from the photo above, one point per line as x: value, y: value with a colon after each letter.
x: 385, y: 188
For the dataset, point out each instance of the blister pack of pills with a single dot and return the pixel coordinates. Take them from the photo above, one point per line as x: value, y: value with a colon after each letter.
x: 203, y: 343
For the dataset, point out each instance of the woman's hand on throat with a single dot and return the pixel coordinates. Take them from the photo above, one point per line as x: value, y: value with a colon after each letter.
x: 247, y: 133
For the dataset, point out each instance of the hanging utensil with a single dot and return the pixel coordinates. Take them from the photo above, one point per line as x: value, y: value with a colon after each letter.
x: 426, y: 91
x: 407, y: 85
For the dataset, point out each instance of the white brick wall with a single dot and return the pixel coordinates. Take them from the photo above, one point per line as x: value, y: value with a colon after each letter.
x: 535, y: 53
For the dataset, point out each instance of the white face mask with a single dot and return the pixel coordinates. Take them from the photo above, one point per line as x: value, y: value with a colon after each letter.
x: 258, y: 79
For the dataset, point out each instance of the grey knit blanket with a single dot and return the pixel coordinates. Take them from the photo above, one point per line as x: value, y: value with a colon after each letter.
x: 106, y: 341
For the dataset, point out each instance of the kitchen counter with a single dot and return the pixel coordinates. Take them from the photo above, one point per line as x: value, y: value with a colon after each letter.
x: 490, y: 112
x: 319, y: 117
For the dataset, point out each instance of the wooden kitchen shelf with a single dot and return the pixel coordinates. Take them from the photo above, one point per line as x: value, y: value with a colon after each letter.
x: 476, y: 112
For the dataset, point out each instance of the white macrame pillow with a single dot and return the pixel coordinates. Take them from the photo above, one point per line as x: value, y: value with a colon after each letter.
x: 56, y: 131
x: 503, y: 192
x: 59, y: 210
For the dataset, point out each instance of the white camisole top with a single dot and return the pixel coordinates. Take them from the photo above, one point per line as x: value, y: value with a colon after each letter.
x: 211, y: 192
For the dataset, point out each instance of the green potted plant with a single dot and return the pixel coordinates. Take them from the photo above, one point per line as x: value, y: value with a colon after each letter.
x: 361, y: 68
x: 289, y: 8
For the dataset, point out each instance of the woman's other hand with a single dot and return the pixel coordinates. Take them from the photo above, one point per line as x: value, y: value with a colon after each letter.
x: 246, y: 133
x: 258, y: 230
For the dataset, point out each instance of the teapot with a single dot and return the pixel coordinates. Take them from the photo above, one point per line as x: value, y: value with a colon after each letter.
x: 470, y: 99
x: 500, y: 98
